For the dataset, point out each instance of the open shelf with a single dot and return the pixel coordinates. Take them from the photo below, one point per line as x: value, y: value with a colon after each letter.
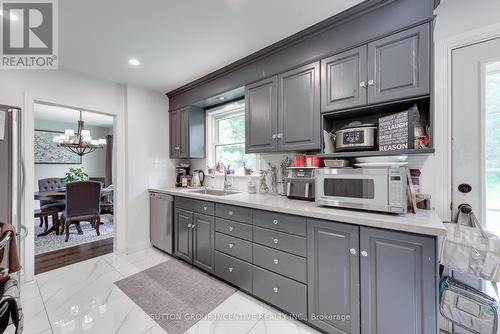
x: 374, y: 153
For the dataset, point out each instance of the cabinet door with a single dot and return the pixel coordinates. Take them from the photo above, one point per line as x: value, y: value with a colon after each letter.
x: 344, y: 80
x: 183, y: 235
x: 184, y: 133
x: 203, y: 242
x: 174, y: 122
x: 333, y: 276
x: 398, y: 283
x: 398, y: 65
x: 261, y: 116
x: 299, y: 109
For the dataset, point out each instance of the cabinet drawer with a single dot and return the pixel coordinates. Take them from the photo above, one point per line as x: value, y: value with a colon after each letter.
x: 280, y: 262
x: 280, y: 222
x: 234, y: 271
x: 280, y: 291
x: 233, y: 246
x: 195, y: 205
x: 232, y: 212
x: 233, y: 228
x: 279, y: 240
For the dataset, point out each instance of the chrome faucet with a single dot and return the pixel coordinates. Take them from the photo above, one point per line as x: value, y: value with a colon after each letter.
x: 227, y: 184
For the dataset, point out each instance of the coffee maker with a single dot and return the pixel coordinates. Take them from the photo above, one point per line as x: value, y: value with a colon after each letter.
x: 181, y: 171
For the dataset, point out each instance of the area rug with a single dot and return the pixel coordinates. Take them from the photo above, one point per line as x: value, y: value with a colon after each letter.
x: 174, y: 294
x: 53, y: 242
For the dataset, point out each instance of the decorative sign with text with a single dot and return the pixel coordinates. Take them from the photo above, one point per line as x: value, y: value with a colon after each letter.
x: 396, y: 131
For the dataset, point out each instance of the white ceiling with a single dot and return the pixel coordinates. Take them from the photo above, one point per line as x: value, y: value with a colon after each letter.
x: 177, y: 41
x: 69, y: 115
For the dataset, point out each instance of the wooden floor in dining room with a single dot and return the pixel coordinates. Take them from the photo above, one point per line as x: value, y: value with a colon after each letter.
x: 66, y: 256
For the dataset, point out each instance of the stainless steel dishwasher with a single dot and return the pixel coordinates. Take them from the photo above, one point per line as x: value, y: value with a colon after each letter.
x: 162, y: 221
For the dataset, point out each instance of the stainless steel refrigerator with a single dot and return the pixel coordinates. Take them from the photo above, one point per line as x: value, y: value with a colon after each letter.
x: 11, y: 167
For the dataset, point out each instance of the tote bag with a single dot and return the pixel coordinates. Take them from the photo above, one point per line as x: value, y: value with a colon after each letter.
x: 471, y: 249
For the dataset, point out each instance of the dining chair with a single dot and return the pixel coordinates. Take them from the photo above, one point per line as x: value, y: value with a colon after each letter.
x: 50, y: 184
x: 82, y: 203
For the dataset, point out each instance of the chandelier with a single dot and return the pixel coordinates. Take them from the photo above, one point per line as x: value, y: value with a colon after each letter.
x: 80, y: 142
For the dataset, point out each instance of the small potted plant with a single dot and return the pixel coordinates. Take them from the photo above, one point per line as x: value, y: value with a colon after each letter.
x: 76, y: 174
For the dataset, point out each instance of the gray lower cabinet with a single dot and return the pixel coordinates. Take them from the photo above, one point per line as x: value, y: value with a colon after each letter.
x: 280, y: 291
x: 344, y: 80
x: 333, y: 276
x: 299, y: 117
x: 398, y: 283
x: 183, y: 240
x: 234, y: 271
x: 261, y: 107
x: 398, y: 65
x: 203, y: 241
x: 194, y: 238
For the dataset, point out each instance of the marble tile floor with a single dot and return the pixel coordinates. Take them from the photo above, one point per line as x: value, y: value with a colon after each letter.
x: 81, y: 298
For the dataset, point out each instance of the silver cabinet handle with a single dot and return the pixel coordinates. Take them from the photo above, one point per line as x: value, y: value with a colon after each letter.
x: 193, y: 226
x: 230, y: 269
x: 279, y: 135
x: 205, y: 208
x: 230, y: 213
x: 362, y: 84
x: 231, y: 245
x: 371, y: 83
x: 190, y: 225
x: 352, y: 251
x: 275, y: 136
x: 230, y: 228
x: 275, y: 290
x: 275, y: 241
x: 275, y: 222
x: 276, y: 261
x: 364, y: 253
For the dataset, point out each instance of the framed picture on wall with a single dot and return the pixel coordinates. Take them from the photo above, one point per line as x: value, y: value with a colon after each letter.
x: 47, y: 152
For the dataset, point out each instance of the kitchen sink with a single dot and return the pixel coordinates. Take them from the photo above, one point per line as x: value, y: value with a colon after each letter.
x: 215, y: 192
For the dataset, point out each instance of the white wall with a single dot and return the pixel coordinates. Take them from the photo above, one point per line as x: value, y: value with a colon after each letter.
x: 148, y: 162
x: 131, y: 106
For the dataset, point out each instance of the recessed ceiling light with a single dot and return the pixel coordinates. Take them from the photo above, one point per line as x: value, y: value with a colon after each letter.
x: 221, y: 98
x: 134, y: 62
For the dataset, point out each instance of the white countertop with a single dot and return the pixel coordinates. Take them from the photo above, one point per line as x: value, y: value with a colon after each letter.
x: 423, y: 222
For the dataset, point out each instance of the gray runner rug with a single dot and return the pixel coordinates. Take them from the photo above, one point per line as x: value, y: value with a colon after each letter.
x: 175, y: 294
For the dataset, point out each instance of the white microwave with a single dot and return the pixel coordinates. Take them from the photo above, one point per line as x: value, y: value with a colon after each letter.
x: 376, y: 189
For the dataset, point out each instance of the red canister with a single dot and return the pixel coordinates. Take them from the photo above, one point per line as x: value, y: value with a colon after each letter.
x: 299, y: 161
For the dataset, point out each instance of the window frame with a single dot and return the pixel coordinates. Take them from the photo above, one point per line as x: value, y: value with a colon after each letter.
x: 214, y: 115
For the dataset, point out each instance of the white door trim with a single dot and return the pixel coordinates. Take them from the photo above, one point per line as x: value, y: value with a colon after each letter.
x: 442, y: 107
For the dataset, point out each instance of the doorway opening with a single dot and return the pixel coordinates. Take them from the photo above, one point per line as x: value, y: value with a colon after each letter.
x: 74, y: 185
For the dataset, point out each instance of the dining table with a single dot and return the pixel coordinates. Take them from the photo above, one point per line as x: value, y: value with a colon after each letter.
x: 60, y: 195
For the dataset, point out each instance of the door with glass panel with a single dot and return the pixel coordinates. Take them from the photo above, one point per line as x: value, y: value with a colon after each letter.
x: 476, y: 130
x: 476, y: 137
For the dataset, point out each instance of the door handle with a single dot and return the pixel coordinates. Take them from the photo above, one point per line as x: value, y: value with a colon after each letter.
x: 23, y: 176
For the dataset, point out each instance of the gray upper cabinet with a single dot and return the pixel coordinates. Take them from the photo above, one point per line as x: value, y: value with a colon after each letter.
x: 333, y: 276
x: 187, y: 133
x: 398, y: 282
x: 261, y: 116
x: 203, y: 241
x: 344, y: 80
x: 183, y: 239
x: 399, y: 65
x: 299, y: 109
